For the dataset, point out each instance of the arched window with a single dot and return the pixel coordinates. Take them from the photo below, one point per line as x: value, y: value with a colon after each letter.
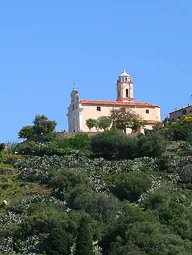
x: 127, y: 93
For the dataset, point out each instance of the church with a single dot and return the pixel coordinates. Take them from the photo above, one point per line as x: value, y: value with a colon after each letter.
x: 79, y: 110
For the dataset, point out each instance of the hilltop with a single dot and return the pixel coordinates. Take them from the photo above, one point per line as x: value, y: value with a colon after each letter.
x: 104, y: 194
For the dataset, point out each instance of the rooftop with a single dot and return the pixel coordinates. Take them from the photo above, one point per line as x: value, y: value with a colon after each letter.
x: 182, y: 108
x: 117, y: 103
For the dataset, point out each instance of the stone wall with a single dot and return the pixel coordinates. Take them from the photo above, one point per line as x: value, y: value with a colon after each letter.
x: 63, y: 135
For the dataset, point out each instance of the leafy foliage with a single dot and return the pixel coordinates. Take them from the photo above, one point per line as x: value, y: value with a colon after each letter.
x: 124, y: 118
x: 59, y: 242
x: 41, y: 126
x: 91, y: 123
x: 151, y: 145
x: 115, y: 144
x: 131, y: 185
x: 2, y: 146
x: 104, y: 122
x: 84, y: 245
x: 26, y: 132
x: 109, y: 194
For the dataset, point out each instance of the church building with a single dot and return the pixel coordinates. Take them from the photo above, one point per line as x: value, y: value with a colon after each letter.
x: 79, y: 110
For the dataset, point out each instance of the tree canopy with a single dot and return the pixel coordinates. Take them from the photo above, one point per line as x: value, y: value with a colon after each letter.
x: 125, y: 118
x: 41, y: 126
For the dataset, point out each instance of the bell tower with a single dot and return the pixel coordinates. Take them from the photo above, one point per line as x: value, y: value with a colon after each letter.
x: 125, y: 88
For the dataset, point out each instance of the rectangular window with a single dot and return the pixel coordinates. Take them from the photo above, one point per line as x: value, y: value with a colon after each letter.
x: 184, y: 112
x: 98, y: 108
x: 147, y: 111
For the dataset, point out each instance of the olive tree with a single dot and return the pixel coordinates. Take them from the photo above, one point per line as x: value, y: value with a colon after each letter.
x: 125, y: 118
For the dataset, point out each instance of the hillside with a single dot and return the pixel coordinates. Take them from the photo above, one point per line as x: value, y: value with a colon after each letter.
x: 105, y: 194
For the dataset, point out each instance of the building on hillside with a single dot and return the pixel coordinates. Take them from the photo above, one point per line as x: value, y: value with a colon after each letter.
x: 178, y: 113
x: 81, y: 110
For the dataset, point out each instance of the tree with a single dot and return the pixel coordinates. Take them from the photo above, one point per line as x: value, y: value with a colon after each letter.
x: 91, y: 123
x: 104, y: 122
x: 59, y: 242
x: 125, y: 118
x: 2, y: 146
x: 84, y: 245
x: 26, y: 132
x: 42, y: 125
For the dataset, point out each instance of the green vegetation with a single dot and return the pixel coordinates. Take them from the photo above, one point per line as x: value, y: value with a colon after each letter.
x: 108, y: 194
x: 84, y: 242
x: 119, y: 119
x: 41, y: 127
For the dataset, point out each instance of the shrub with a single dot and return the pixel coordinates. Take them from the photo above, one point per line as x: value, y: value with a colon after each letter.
x: 55, y: 147
x: 10, y: 159
x: 179, y: 131
x: 185, y: 173
x: 113, y: 144
x: 27, y: 148
x: 80, y: 141
x: 128, y: 148
x: 105, y: 144
x: 130, y: 186
x: 154, y: 200
x: 172, y: 163
x: 151, y: 145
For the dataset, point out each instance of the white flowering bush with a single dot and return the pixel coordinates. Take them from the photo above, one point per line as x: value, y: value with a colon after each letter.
x: 25, y: 203
x: 38, y: 168
x: 6, y: 246
x: 170, y: 162
x: 156, y: 189
x: 31, y: 244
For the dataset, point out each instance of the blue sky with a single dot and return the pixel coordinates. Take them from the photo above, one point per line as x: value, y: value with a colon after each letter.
x: 47, y: 46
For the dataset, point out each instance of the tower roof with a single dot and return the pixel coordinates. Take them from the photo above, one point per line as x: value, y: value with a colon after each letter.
x: 124, y: 73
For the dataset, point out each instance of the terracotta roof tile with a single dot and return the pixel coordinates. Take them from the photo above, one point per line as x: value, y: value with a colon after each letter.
x: 151, y: 121
x: 117, y: 103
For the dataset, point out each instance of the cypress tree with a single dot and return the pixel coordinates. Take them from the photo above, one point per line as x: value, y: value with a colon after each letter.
x: 59, y: 242
x: 84, y: 244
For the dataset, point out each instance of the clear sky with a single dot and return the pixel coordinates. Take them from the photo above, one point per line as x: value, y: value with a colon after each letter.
x: 47, y: 46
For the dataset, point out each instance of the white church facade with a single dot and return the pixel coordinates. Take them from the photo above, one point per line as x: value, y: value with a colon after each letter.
x: 79, y: 111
